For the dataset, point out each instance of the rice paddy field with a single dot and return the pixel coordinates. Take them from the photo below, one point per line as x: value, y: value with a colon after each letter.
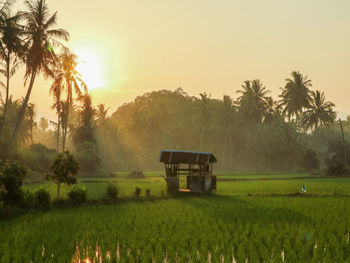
x: 257, y: 220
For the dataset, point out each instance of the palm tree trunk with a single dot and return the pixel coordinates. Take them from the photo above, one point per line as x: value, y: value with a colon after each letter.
x: 344, y: 148
x: 7, y: 91
x: 31, y: 132
x: 58, y: 133
x: 7, y: 84
x: 21, y: 113
x: 64, y: 135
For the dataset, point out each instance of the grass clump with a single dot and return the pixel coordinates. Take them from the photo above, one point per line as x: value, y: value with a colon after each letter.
x: 137, y: 191
x: 42, y: 198
x: 112, y: 191
x: 77, y: 195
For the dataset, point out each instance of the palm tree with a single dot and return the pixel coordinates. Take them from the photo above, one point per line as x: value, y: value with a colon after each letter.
x: 39, y: 38
x: 87, y: 116
x: 101, y: 114
x: 273, y: 109
x: 253, y: 100
x: 87, y: 111
x: 11, y: 48
x: 13, y: 108
x: 319, y: 113
x: 68, y: 78
x: 295, y: 95
x: 12, y: 111
x: 56, y: 91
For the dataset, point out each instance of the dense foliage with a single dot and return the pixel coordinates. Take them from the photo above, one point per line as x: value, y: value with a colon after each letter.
x: 12, y: 176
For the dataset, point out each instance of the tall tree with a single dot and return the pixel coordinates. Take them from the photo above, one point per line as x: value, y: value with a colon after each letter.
x: 319, y: 113
x: 87, y: 114
x: 253, y: 100
x: 296, y: 94
x: 39, y: 39
x: 11, y: 48
x: 67, y: 78
x: 56, y: 92
x: 64, y: 170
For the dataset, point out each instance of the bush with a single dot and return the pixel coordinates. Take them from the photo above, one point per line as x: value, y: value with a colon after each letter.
x: 137, y: 192
x: 136, y: 175
x: 12, y: 176
x: 112, y: 191
x: 29, y: 200
x: 337, y: 169
x: 309, y: 161
x: 148, y: 192
x: 78, y: 194
x: 42, y: 198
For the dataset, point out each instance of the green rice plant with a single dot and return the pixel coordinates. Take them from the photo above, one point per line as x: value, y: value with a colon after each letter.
x: 227, y: 225
x: 78, y: 194
x: 137, y: 191
x: 112, y: 191
x: 42, y: 198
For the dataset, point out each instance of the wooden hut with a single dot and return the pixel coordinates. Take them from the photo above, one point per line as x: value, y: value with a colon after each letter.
x: 196, y: 166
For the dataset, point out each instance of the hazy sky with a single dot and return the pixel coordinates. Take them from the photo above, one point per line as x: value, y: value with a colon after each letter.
x: 134, y: 46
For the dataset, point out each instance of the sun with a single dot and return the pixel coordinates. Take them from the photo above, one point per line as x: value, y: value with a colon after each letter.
x: 91, y: 68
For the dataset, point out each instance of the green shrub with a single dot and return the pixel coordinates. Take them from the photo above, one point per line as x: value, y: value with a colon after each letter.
x: 42, y: 198
x: 148, y: 192
x: 78, y: 194
x: 137, y: 192
x: 29, y: 200
x: 309, y: 161
x: 337, y: 169
x: 12, y: 176
x: 112, y: 191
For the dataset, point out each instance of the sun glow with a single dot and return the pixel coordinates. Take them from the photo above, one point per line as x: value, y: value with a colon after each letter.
x: 91, y: 68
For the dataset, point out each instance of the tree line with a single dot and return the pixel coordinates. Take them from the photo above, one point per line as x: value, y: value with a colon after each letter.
x: 249, y: 130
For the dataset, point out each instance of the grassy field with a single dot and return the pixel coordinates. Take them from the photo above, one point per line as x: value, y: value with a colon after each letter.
x: 240, y: 186
x: 245, y: 221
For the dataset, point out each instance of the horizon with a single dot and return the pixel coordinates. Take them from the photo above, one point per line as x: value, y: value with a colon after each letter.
x: 203, y: 51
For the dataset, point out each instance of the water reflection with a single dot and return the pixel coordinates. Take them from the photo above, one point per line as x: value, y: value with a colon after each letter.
x: 98, y: 257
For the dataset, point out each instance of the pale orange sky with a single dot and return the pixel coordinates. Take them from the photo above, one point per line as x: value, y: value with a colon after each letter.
x: 203, y: 46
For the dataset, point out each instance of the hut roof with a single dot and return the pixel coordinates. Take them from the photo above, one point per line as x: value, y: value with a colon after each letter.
x: 186, y: 157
